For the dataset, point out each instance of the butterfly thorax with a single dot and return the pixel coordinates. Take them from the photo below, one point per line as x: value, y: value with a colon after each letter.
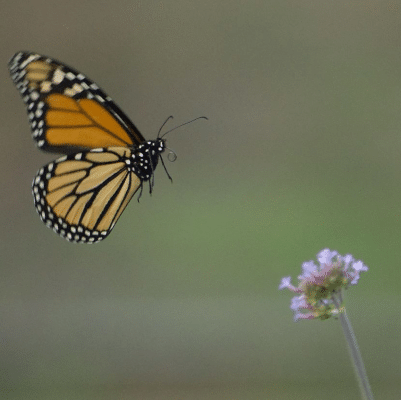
x: 146, y: 157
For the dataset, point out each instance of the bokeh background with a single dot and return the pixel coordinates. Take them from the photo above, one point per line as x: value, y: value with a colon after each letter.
x: 302, y: 151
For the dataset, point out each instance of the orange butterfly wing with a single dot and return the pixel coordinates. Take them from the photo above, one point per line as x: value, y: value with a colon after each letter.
x: 68, y: 112
x: 81, y: 196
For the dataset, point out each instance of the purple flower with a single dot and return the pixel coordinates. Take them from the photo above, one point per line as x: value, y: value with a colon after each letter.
x: 319, y: 290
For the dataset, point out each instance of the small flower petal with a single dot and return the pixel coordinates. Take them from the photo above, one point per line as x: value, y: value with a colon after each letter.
x: 347, y: 259
x: 298, y: 316
x: 355, y: 279
x: 285, y: 282
x: 359, y: 266
x: 325, y: 256
x: 308, y: 269
x: 300, y: 303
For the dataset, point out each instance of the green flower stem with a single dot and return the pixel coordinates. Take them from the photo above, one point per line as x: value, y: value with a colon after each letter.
x: 355, y: 354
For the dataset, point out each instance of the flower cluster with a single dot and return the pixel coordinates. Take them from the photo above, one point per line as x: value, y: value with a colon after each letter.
x: 320, y: 286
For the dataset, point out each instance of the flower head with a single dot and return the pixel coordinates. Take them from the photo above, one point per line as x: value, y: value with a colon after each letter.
x: 319, y: 290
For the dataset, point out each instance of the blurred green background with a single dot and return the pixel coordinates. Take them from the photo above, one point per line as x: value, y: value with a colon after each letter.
x: 301, y: 152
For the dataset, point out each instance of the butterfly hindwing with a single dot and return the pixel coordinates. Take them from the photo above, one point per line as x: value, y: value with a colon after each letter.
x: 67, y: 111
x: 81, y: 196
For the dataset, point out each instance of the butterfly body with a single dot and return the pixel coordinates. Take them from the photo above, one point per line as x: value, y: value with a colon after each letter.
x: 82, y: 194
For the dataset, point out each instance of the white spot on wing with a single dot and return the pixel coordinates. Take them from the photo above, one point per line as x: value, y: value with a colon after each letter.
x: 58, y: 76
x: 45, y: 86
x: 31, y: 58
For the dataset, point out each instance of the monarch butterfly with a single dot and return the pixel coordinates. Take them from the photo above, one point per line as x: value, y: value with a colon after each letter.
x: 82, y: 194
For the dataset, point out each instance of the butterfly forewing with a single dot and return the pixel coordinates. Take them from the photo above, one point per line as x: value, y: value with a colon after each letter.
x: 67, y: 111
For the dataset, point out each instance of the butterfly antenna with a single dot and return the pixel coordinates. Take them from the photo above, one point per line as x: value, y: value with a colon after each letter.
x: 179, y: 126
x: 164, y: 123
